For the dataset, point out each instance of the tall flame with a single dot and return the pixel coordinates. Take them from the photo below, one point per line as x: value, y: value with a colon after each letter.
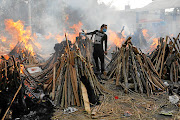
x: 153, y: 42
x: 76, y: 28
x: 113, y: 37
x: 19, y: 33
x: 59, y: 38
x: 71, y: 36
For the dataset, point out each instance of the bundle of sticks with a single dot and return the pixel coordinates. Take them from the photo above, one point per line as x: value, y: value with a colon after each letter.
x: 133, y: 70
x: 47, y: 67
x: 166, y: 59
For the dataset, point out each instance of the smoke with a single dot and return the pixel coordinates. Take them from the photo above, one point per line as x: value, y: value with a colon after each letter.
x: 49, y: 16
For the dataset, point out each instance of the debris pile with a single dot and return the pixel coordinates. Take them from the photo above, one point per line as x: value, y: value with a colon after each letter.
x: 21, y: 52
x: 20, y: 93
x: 134, y: 70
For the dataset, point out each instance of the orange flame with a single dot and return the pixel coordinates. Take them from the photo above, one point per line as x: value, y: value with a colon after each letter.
x: 71, y: 36
x: 59, y: 38
x: 6, y: 57
x: 113, y: 37
x: 21, y: 68
x: 153, y: 45
x: 76, y: 28
x: 145, y: 34
x: 16, y: 29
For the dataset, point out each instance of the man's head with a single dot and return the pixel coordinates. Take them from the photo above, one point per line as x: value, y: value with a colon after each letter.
x: 103, y: 28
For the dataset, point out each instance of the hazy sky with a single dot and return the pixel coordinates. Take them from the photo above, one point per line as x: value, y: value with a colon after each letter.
x: 120, y: 4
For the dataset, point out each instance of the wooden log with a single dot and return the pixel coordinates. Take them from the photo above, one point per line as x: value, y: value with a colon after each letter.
x: 54, y: 81
x: 135, y: 69
x: 175, y: 76
x: 74, y: 84
x: 162, y: 62
x: 141, y: 74
x: 176, y: 43
x: 118, y: 73
x: 134, y: 80
x: 63, y: 97
x: 60, y: 93
x: 119, y: 67
x: 65, y: 88
x: 69, y: 89
x: 171, y: 73
x: 156, y: 82
x: 85, y: 98
x: 124, y: 71
x: 150, y: 80
x: 158, y: 63
x: 60, y: 83
x: 127, y: 63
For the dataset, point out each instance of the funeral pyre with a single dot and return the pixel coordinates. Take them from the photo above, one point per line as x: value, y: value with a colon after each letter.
x: 166, y: 59
x: 133, y: 70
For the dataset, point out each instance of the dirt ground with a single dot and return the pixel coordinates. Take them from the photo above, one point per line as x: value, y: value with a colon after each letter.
x: 120, y: 106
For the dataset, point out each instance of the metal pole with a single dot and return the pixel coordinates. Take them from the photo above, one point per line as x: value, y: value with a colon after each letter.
x: 29, y: 14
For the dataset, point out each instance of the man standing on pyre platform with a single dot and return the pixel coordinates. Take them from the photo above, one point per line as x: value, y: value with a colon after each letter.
x: 99, y: 39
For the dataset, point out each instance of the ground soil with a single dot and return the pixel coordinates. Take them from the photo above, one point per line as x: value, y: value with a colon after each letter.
x: 116, y: 104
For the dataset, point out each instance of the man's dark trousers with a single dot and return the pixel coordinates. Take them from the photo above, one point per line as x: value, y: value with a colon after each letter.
x: 99, y: 54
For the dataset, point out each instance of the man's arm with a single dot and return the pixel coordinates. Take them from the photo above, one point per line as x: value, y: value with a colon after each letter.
x: 91, y: 33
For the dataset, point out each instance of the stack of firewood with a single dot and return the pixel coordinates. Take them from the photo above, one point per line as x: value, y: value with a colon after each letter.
x: 166, y: 59
x: 72, y: 81
x: 86, y: 47
x: 9, y: 72
x: 47, y: 67
x: 29, y: 57
x: 133, y: 70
